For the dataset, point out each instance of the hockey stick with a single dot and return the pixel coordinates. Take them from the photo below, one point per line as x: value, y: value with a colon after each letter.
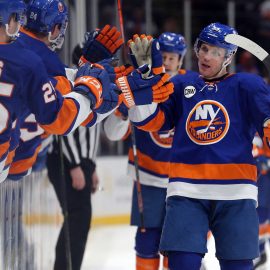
x: 64, y: 205
x: 251, y: 47
x: 133, y: 137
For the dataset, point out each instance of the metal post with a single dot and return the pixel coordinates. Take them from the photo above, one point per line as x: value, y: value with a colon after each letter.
x: 94, y: 14
x: 187, y: 33
x: 148, y: 17
x: 80, y: 13
x: 231, y: 22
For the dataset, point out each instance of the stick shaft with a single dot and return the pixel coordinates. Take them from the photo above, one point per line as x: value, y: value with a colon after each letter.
x: 133, y: 137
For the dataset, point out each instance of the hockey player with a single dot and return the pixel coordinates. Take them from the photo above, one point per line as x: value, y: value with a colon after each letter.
x: 173, y: 49
x: 261, y: 154
x: 44, y: 32
x: 26, y: 87
x: 153, y: 150
x: 212, y: 175
x: 52, y: 34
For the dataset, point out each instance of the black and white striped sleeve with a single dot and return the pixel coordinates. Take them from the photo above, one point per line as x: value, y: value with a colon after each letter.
x: 81, y: 144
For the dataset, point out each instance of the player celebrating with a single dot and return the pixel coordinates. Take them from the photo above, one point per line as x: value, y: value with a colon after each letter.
x: 153, y: 150
x: 212, y: 176
x: 26, y: 88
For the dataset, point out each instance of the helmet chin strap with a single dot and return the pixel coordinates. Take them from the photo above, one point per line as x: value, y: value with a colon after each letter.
x: 12, y: 35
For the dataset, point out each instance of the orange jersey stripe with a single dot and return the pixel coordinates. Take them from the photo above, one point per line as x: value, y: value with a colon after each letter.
x: 213, y: 171
x: 155, y: 124
x: 147, y: 263
x: 64, y: 119
x: 88, y: 119
x: 264, y: 229
x: 24, y: 164
x: 127, y: 133
x: 63, y: 85
x: 29, y: 33
x: 10, y: 157
x: 165, y: 263
x: 3, y: 148
x: 145, y: 161
x: 45, y: 135
x: 182, y: 71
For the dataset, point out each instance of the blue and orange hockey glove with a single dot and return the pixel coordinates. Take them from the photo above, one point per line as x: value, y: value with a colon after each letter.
x: 138, y: 90
x: 101, y: 44
x: 115, y: 72
x: 145, y: 50
x: 94, y: 82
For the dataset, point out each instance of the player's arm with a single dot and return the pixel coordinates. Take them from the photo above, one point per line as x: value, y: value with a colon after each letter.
x: 156, y: 116
x: 117, y: 125
x: 55, y: 113
x: 258, y: 102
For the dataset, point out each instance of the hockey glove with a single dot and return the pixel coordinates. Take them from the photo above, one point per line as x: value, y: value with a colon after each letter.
x: 102, y: 44
x: 122, y: 111
x: 138, y: 90
x: 94, y: 82
x: 145, y: 50
x: 115, y: 72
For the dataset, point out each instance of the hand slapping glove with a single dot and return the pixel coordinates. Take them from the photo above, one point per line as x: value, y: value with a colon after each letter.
x: 145, y: 50
x: 93, y: 81
x: 115, y: 72
x: 137, y: 89
x: 101, y: 44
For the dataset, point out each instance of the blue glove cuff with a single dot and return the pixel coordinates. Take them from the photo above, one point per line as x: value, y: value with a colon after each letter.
x: 83, y: 90
x: 143, y: 96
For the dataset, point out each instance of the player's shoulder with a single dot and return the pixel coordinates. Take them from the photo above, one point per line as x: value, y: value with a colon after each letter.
x: 185, y: 76
x: 51, y: 60
x: 249, y: 81
x: 25, y: 57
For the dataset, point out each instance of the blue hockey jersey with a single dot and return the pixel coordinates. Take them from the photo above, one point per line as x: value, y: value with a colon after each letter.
x: 24, y: 88
x: 215, y: 122
x: 31, y: 133
x: 153, y: 150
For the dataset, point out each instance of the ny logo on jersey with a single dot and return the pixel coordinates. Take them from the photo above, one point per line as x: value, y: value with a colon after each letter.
x: 163, y: 138
x: 207, y: 123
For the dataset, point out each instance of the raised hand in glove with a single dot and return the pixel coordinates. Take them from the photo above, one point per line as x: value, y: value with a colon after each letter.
x: 145, y: 50
x: 94, y: 82
x: 101, y: 44
x: 138, y: 90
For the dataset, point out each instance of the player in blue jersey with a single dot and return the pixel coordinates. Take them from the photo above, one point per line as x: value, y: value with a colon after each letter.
x: 36, y: 93
x: 212, y: 175
x: 44, y: 32
x: 153, y: 150
x: 261, y: 154
x: 26, y: 87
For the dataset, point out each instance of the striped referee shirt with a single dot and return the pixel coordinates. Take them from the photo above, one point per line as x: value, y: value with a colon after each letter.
x: 80, y: 144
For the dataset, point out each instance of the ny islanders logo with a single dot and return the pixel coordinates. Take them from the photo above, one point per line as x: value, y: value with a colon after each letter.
x: 207, y: 123
x: 163, y: 138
